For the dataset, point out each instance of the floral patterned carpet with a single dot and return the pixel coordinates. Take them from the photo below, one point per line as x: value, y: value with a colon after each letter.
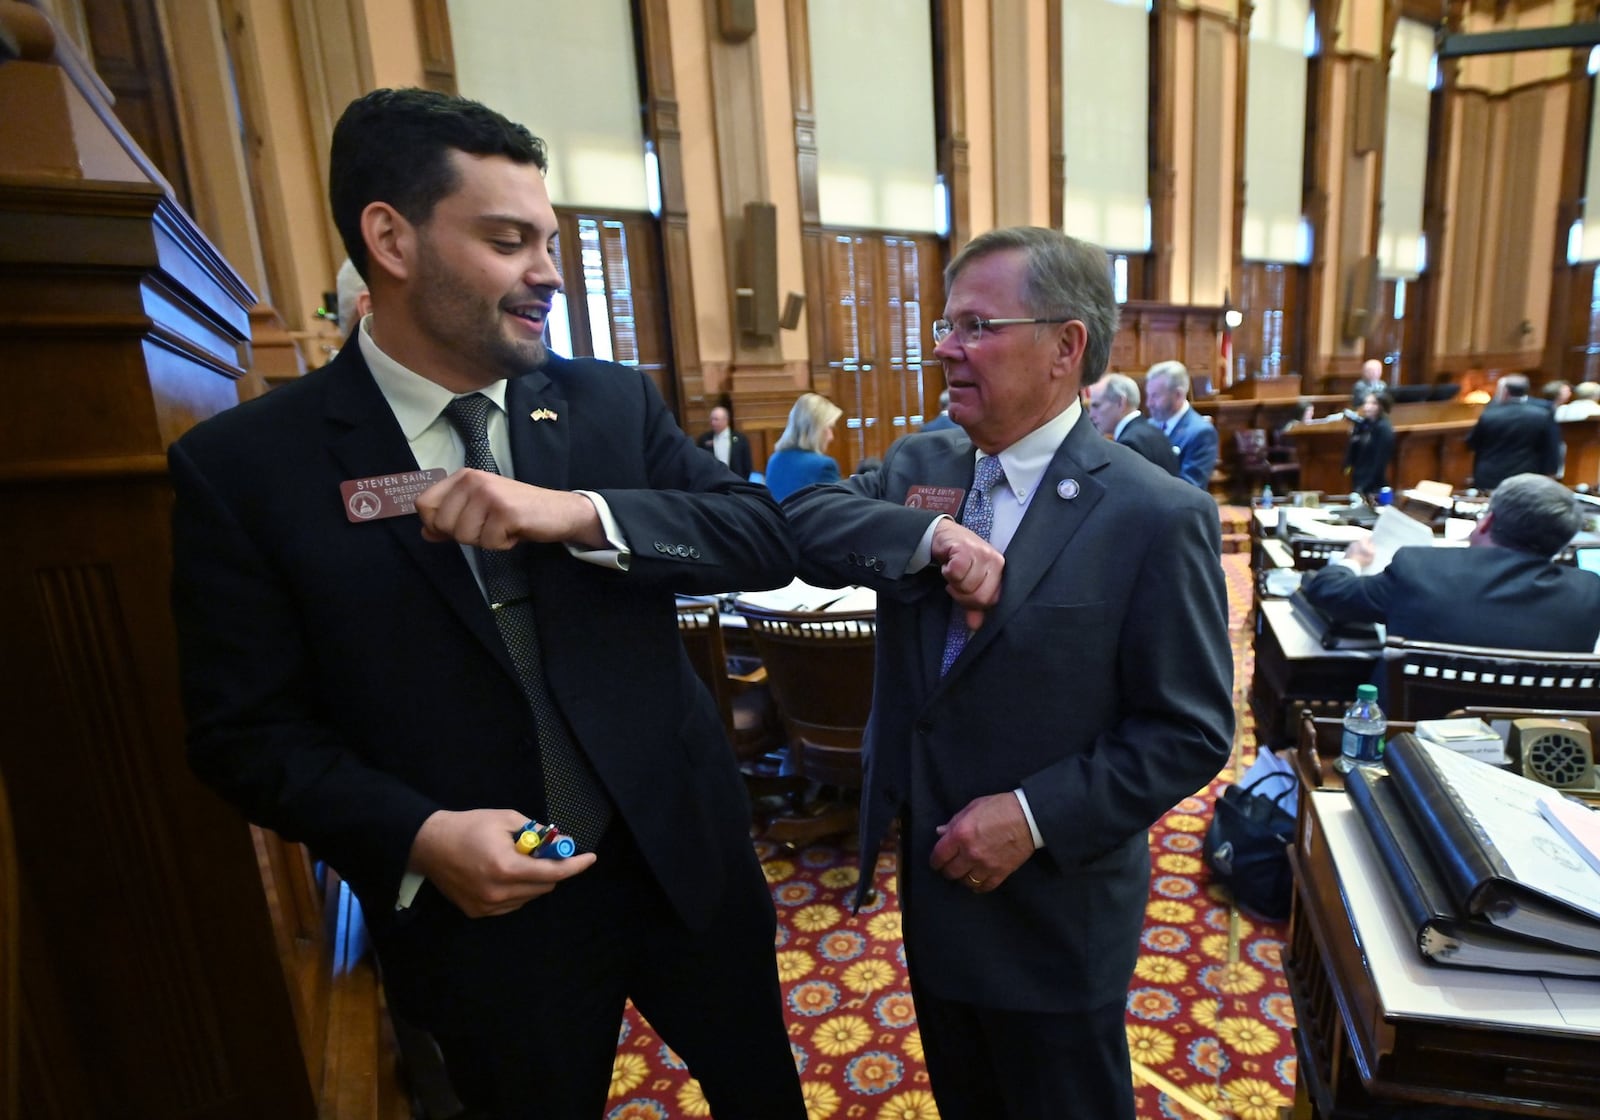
x: 1209, y: 1014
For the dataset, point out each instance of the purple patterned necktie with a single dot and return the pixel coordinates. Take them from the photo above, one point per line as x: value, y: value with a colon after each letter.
x: 977, y: 515
x: 574, y: 799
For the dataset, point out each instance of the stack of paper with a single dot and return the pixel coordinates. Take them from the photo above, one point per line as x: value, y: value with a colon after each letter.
x: 1471, y: 737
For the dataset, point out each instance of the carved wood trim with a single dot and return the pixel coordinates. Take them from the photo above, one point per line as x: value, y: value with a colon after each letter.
x: 1569, y: 202
x: 1055, y: 113
x: 1163, y: 175
x: 950, y: 118
x: 434, y: 43
x: 1316, y: 173
x: 798, y: 27
x: 661, y: 128
x: 1241, y: 112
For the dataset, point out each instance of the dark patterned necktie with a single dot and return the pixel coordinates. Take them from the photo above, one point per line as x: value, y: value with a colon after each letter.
x: 574, y: 799
x: 977, y: 515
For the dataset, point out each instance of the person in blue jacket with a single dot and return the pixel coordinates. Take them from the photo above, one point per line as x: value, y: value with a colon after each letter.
x: 801, y: 458
x: 1193, y: 437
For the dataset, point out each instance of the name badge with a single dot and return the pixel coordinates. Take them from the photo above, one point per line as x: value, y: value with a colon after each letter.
x: 386, y: 495
x: 939, y: 499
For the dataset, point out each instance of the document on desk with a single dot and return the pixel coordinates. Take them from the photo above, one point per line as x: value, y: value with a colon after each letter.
x: 1393, y: 531
x: 798, y: 596
x: 1410, y: 987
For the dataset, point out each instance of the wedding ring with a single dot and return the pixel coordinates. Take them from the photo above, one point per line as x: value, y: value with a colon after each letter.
x: 974, y: 880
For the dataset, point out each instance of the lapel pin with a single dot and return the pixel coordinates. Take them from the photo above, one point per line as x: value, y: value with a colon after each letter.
x: 541, y: 414
x: 1067, y: 488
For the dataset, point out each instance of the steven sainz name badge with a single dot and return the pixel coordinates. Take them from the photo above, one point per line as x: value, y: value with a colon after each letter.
x: 386, y: 495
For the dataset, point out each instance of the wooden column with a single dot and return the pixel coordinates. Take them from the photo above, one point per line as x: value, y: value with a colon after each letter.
x: 151, y: 982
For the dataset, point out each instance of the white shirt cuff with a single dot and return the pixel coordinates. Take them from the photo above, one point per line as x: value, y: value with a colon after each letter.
x: 619, y: 556
x: 1033, y: 828
x: 1346, y: 562
x: 923, y: 555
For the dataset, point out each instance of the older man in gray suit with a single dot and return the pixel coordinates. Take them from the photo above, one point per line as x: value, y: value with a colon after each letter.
x: 1053, y: 673
x: 1114, y: 408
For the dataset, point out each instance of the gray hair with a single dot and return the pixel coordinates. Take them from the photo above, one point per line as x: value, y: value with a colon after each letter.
x: 1121, y: 388
x: 1587, y: 391
x: 349, y: 286
x: 1064, y: 279
x: 1170, y: 370
x: 812, y: 415
x: 1533, y: 513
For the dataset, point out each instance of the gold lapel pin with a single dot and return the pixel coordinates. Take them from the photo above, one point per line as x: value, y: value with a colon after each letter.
x: 541, y: 414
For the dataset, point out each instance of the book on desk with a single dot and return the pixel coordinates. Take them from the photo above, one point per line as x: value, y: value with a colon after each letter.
x: 1497, y: 859
x: 1444, y: 933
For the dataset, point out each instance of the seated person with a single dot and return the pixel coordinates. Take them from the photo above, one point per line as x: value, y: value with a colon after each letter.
x: 1585, y: 403
x: 1114, y: 409
x: 800, y: 457
x: 1503, y: 591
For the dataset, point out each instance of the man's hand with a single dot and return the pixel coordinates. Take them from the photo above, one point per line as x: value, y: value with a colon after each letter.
x: 472, y: 859
x: 492, y: 511
x: 984, y: 843
x: 1360, y: 552
x: 971, y: 567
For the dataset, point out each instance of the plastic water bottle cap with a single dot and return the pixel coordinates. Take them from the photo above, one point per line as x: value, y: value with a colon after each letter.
x: 1366, y: 692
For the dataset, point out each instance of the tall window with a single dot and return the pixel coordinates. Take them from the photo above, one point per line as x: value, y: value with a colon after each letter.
x: 1275, y: 125
x: 1105, y: 91
x: 1405, y: 152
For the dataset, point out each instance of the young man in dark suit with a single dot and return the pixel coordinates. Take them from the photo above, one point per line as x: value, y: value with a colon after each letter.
x: 727, y: 446
x: 403, y: 692
x: 1514, y: 435
x: 1053, y: 673
x: 1114, y: 408
x: 1503, y: 591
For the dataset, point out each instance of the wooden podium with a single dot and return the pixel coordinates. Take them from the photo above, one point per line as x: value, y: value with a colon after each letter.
x: 153, y: 978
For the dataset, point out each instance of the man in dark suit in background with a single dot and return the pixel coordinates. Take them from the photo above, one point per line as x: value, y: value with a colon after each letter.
x: 1503, y: 591
x: 941, y: 422
x: 1514, y: 435
x: 1166, y: 394
x: 1026, y: 756
x: 727, y: 445
x: 1114, y: 408
x: 350, y: 684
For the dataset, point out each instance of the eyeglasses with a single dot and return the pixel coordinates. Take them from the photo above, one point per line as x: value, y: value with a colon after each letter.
x: 969, y: 329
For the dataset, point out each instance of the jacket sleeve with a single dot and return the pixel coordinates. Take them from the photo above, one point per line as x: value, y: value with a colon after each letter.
x: 1347, y: 597
x: 1200, y: 455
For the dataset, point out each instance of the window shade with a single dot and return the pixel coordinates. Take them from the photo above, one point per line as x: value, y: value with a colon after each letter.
x: 1275, y: 127
x: 575, y: 83
x: 1105, y: 75
x: 872, y: 73
x: 1405, y: 152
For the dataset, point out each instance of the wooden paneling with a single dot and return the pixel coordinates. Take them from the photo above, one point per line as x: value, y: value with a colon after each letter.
x: 125, y: 37
x: 615, y: 256
x: 882, y: 292
x: 435, y: 45
x: 1580, y: 356
x: 1155, y: 332
x: 1271, y: 339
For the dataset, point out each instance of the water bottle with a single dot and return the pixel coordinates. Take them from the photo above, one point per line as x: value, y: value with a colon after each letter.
x: 1364, y: 725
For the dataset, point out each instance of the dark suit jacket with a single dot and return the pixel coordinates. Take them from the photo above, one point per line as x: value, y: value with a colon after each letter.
x: 1148, y: 441
x: 1100, y: 685
x: 1514, y: 437
x: 1195, y: 437
x: 1368, y: 453
x: 940, y: 423
x: 1496, y: 597
x: 345, y: 680
x: 738, y: 451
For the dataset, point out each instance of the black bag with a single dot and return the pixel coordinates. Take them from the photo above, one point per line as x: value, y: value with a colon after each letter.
x: 1247, y: 847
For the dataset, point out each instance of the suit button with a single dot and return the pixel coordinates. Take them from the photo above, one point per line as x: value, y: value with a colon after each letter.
x: 694, y: 554
x: 660, y: 547
x: 683, y: 550
x: 851, y: 557
x: 878, y: 567
x: 924, y: 726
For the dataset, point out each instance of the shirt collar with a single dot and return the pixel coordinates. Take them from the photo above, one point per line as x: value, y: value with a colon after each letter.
x: 1124, y: 422
x: 1026, y: 460
x: 1176, y: 416
x: 415, y: 401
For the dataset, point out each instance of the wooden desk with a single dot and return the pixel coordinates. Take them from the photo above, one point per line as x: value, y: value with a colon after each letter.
x: 1430, y: 442
x: 1294, y: 674
x: 1360, y: 1056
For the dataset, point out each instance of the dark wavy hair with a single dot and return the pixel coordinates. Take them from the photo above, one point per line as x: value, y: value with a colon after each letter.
x: 394, y: 145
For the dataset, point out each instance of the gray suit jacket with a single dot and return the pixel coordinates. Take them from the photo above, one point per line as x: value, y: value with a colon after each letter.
x: 1100, y: 685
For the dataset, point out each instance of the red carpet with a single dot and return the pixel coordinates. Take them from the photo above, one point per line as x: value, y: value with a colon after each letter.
x: 1208, y: 1012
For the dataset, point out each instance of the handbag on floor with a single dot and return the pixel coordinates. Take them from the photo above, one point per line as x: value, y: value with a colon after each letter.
x: 1247, y: 844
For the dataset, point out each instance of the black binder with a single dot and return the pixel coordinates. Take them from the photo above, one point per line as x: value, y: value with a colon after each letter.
x: 1443, y: 934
